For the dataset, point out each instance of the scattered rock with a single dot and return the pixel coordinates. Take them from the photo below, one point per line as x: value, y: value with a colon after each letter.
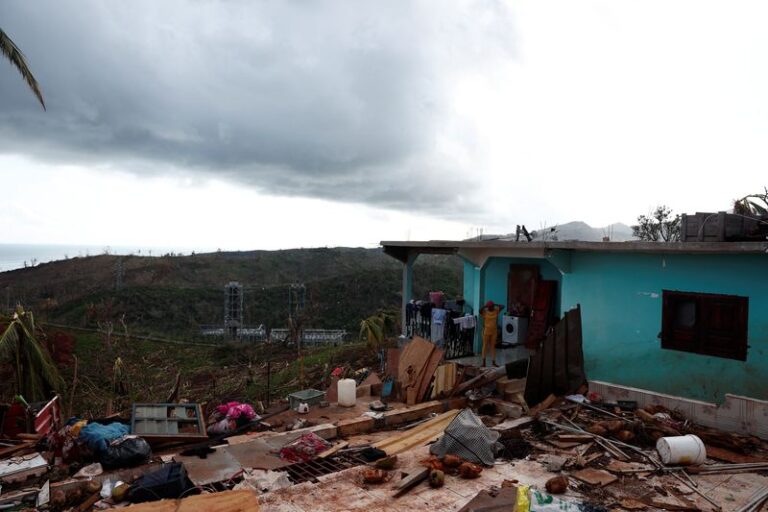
x: 557, y: 484
x: 436, y: 478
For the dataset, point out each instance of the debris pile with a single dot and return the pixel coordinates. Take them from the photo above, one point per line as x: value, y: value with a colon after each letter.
x: 420, y: 432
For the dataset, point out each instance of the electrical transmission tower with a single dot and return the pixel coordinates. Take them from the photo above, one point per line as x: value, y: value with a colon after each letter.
x: 233, y: 308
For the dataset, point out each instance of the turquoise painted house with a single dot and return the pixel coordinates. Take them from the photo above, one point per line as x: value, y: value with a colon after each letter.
x: 686, y: 319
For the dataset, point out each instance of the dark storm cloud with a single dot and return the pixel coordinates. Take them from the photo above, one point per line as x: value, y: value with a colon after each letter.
x: 339, y: 100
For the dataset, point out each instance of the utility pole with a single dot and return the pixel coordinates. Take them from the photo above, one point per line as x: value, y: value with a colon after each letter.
x: 119, y: 274
x: 296, y: 299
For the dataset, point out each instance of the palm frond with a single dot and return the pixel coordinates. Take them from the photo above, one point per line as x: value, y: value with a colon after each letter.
x: 36, y: 373
x: 12, y: 52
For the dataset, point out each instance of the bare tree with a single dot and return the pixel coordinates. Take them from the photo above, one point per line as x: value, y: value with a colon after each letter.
x: 659, y: 226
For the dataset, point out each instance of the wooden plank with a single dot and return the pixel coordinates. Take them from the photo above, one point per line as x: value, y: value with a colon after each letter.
x: 560, y: 358
x: 545, y: 404
x: 715, y: 452
x: 533, y: 382
x: 592, y: 476
x: 413, y: 360
x: 415, y: 355
x: 415, y: 477
x: 547, y: 366
x: 513, y: 424
x: 428, y: 373
x: 446, y: 381
x: 418, y: 435
x: 16, y: 449
x: 333, y: 449
x: 576, y: 375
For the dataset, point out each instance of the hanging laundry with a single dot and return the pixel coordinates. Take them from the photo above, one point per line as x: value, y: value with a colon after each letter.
x: 439, y: 317
x: 466, y: 322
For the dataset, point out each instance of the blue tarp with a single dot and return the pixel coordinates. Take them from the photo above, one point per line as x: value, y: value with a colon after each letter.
x: 97, y: 436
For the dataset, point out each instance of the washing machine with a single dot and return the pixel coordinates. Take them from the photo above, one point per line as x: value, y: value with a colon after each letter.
x: 514, y: 329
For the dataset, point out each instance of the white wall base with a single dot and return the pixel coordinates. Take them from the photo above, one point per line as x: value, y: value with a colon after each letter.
x: 738, y: 414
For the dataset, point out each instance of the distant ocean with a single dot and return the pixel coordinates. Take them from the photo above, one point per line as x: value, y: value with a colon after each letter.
x: 13, y: 256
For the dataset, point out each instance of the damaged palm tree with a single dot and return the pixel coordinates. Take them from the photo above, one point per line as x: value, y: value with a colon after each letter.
x: 37, y: 377
x: 12, y: 52
x: 753, y: 205
x: 374, y: 329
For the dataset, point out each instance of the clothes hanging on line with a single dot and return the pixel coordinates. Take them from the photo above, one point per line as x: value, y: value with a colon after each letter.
x: 466, y: 322
x: 439, y: 317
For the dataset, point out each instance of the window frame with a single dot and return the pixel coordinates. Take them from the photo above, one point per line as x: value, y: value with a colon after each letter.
x: 705, y: 336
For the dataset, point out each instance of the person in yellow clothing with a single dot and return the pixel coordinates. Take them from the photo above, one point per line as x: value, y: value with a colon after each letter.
x: 490, y: 313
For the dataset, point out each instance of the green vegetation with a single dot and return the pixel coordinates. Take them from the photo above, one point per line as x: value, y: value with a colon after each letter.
x: 97, y: 329
x: 172, y: 296
x: 209, y: 374
x: 35, y: 374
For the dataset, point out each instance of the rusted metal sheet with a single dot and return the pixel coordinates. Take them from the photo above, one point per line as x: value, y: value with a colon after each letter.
x: 309, y: 471
x: 48, y: 418
x: 558, y: 367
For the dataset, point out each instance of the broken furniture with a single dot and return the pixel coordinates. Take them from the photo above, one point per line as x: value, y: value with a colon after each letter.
x: 162, y: 423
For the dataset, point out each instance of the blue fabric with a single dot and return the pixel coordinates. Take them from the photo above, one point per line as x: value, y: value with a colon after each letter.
x: 97, y: 436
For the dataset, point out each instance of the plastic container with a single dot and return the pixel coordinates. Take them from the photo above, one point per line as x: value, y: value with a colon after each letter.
x: 347, y: 392
x: 308, y: 396
x: 684, y: 450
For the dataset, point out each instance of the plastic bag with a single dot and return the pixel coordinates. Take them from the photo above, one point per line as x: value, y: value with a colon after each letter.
x: 169, y: 481
x: 126, y: 452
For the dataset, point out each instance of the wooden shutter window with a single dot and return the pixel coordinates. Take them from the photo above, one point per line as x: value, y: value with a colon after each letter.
x: 705, y: 323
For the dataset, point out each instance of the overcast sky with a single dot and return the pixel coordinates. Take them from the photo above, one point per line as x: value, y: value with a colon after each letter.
x: 274, y: 124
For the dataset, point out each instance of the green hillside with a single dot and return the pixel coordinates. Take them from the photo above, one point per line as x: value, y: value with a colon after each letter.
x: 174, y: 295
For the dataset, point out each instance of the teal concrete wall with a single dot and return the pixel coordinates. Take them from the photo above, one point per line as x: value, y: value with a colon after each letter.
x: 620, y: 297
x: 496, y: 276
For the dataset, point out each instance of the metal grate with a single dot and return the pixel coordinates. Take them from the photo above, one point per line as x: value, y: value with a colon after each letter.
x: 309, y: 471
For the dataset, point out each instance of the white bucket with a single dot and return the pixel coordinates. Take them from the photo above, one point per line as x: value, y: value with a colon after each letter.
x: 347, y: 392
x: 682, y: 450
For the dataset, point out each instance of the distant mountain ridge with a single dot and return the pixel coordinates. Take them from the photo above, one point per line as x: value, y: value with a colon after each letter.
x: 570, y: 231
x: 578, y: 230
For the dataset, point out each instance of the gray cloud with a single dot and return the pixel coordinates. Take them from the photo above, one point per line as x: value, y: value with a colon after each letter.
x: 339, y: 100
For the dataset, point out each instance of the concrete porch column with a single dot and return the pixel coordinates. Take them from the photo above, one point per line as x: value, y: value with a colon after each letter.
x: 478, y: 300
x: 407, y: 287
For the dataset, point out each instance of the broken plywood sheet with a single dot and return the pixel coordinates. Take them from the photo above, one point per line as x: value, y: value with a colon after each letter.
x: 428, y: 372
x: 413, y: 359
x: 218, y: 466
x: 595, y: 476
x: 256, y: 454
x: 617, y: 466
x: 226, y: 501
x: 445, y: 378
